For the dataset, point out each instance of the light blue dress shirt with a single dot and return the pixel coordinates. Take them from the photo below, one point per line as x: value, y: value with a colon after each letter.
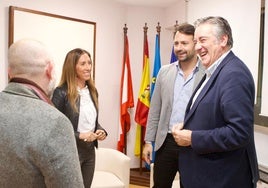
x: 183, y: 90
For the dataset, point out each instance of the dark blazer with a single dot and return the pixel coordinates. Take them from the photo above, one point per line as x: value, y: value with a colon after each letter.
x: 222, y: 154
x: 62, y: 103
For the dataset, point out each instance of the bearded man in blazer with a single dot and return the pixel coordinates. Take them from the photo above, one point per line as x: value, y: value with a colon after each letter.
x: 217, y: 137
x: 174, y: 86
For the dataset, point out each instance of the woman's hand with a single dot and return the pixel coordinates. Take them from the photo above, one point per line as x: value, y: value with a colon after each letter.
x: 101, y: 135
x: 88, y: 136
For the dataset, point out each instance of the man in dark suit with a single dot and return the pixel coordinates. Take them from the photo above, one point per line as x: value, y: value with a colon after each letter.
x: 217, y: 136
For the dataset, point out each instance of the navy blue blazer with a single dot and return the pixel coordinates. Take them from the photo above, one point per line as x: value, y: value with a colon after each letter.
x: 222, y: 154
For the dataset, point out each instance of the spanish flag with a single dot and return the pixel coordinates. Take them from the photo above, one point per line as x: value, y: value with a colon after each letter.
x: 143, y: 103
x: 126, y: 98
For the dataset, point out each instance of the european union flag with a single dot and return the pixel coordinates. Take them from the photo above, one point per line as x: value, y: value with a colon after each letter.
x: 173, y: 57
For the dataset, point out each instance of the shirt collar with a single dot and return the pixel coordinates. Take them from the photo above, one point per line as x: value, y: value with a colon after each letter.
x: 36, y: 88
x: 194, y: 70
x: 214, y: 66
x: 82, y: 90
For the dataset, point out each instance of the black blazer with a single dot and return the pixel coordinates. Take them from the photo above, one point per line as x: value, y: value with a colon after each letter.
x: 62, y: 103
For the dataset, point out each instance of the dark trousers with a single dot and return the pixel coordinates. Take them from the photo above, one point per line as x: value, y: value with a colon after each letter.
x: 166, y: 163
x: 87, y: 163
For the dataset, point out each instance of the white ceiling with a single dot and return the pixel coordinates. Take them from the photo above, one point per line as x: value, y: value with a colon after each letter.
x: 152, y: 3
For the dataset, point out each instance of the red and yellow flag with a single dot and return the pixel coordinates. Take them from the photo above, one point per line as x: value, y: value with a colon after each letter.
x: 126, y: 98
x: 143, y: 103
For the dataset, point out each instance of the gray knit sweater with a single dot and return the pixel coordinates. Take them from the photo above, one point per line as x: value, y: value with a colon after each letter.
x: 37, y: 145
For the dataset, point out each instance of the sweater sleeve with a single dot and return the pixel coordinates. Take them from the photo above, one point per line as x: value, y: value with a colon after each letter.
x: 57, y: 155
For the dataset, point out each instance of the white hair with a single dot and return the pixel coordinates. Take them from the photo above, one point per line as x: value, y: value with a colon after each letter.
x: 28, y: 56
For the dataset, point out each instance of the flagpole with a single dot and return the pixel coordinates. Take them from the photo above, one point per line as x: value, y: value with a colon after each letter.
x: 125, y: 126
x: 157, y: 65
x: 125, y: 34
x: 145, y: 29
x: 158, y: 30
x: 175, y: 28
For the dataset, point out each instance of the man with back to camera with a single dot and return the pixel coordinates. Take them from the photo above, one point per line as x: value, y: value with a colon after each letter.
x: 174, y: 86
x: 37, y: 147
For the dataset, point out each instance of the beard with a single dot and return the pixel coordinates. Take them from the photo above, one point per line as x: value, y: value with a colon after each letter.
x: 51, y: 85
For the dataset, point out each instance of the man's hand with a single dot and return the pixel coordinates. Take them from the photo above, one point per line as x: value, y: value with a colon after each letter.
x: 147, y: 153
x: 182, y: 136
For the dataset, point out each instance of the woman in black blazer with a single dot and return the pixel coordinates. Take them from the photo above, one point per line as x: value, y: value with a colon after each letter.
x: 77, y: 98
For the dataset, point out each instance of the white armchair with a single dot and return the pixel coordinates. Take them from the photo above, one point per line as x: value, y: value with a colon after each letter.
x: 112, y: 169
x: 176, y: 182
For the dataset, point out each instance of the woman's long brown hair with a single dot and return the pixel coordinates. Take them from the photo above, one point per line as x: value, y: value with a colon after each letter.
x: 69, y: 76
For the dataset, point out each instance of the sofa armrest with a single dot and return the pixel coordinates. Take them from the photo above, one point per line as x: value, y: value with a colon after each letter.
x: 113, y: 161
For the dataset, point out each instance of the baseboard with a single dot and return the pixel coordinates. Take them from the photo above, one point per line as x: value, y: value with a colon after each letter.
x: 140, y: 176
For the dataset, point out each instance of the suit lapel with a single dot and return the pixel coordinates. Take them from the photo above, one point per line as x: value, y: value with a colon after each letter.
x: 172, y: 77
x: 189, y: 111
x: 191, y: 99
x: 199, y: 75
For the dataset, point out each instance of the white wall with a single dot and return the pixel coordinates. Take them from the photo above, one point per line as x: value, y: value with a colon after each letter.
x: 261, y: 139
x: 244, y: 19
x: 111, y: 17
x: 136, y: 18
x: 264, y: 102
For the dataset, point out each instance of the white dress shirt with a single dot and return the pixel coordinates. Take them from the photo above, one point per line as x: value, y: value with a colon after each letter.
x: 87, y: 111
x: 209, y: 72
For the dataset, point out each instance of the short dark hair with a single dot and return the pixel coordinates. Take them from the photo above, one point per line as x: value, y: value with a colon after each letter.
x: 186, y: 28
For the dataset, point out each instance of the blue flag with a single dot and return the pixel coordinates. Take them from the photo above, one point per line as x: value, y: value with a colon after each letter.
x: 157, y: 63
x: 157, y: 66
x: 173, y: 57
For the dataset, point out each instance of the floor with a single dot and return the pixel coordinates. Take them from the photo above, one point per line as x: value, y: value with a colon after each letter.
x: 140, y: 177
x: 136, y: 186
x: 136, y: 176
x: 260, y: 185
